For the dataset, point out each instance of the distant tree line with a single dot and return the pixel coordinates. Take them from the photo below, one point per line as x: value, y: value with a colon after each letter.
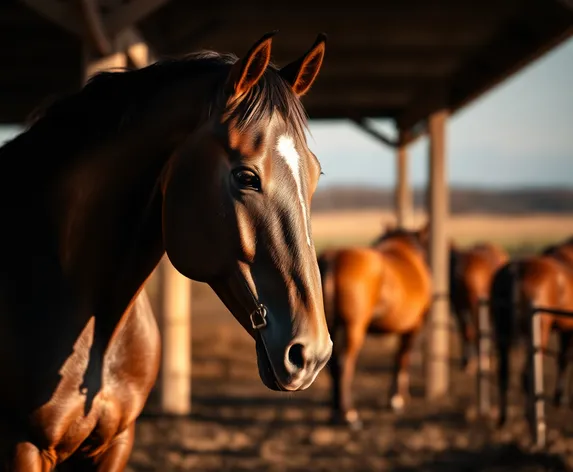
x: 462, y: 200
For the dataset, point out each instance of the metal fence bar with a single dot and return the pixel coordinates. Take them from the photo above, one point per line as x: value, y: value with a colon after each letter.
x: 536, y: 400
x: 536, y: 391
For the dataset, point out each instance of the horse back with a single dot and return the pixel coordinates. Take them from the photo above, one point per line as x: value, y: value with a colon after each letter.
x: 479, y: 267
x: 387, y: 289
x: 539, y: 281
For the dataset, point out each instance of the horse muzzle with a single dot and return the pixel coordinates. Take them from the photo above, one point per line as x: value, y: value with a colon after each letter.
x: 287, y: 366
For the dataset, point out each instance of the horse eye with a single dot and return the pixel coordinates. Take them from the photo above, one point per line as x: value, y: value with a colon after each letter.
x: 245, y: 178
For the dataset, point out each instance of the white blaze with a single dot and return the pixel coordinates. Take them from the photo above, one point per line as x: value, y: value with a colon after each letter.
x: 287, y: 150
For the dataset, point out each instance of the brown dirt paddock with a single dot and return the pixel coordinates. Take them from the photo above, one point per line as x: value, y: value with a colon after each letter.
x: 238, y: 425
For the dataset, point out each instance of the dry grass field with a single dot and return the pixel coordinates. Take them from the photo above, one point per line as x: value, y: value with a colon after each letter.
x: 359, y: 227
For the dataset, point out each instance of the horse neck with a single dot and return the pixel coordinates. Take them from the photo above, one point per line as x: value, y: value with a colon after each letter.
x: 98, y: 211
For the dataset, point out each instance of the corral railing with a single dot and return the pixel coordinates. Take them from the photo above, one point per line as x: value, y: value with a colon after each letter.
x: 536, y: 392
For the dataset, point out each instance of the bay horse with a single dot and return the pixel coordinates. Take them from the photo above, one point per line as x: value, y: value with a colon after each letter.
x: 471, y: 272
x: 384, y: 288
x: 544, y: 280
x: 203, y: 157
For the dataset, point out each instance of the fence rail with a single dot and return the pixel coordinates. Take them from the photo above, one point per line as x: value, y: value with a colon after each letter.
x: 536, y: 394
x: 537, y: 390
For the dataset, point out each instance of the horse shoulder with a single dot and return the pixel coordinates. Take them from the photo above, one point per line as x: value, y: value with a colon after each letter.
x: 133, y: 357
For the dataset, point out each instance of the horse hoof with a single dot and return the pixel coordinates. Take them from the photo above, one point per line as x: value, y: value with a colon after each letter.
x: 397, y: 403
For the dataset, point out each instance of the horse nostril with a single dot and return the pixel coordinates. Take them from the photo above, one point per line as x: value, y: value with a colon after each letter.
x: 295, y: 356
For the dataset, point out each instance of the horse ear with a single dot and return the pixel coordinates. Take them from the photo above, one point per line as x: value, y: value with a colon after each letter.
x: 246, y: 72
x: 302, y: 73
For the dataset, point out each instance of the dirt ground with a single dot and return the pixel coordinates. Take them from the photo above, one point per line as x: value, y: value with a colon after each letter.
x: 238, y: 425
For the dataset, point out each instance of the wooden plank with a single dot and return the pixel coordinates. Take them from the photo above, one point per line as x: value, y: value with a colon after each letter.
x: 437, y: 374
x: 331, y: 110
x: 409, y: 85
x: 426, y: 24
x: 356, y: 98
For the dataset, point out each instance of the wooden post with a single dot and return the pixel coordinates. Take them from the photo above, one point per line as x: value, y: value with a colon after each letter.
x: 175, y: 293
x: 437, y: 373
x: 536, y: 393
x: 403, y: 196
x: 484, y: 359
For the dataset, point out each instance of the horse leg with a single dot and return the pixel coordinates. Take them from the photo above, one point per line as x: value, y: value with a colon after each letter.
x: 562, y: 364
x: 25, y: 457
x: 467, y: 334
x: 400, y: 390
x: 469, y: 360
x: 342, y: 365
x: 112, y: 459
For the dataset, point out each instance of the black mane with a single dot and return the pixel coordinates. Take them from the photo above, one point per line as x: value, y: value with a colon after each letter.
x: 411, y: 236
x: 111, y: 100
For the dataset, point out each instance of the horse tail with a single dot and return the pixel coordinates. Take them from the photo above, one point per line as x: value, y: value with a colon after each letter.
x: 505, y: 301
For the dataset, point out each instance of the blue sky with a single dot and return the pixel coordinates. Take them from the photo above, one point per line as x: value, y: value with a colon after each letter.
x: 518, y: 134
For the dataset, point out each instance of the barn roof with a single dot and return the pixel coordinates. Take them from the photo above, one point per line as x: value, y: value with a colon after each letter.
x: 401, y: 59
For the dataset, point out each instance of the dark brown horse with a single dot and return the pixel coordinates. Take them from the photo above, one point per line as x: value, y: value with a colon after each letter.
x: 563, y: 252
x: 471, y: 273
x: 385, y: 288
x: 544, y: 280
x: 203, y: 157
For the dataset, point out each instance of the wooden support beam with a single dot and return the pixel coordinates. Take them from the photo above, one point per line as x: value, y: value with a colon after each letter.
x: 175, y: 382
x: 437, y: 374
x: 408, y: 136
x: 94, y: 26
x: 403, y: 198
x: 427, y: 99
x: 379, y: 135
